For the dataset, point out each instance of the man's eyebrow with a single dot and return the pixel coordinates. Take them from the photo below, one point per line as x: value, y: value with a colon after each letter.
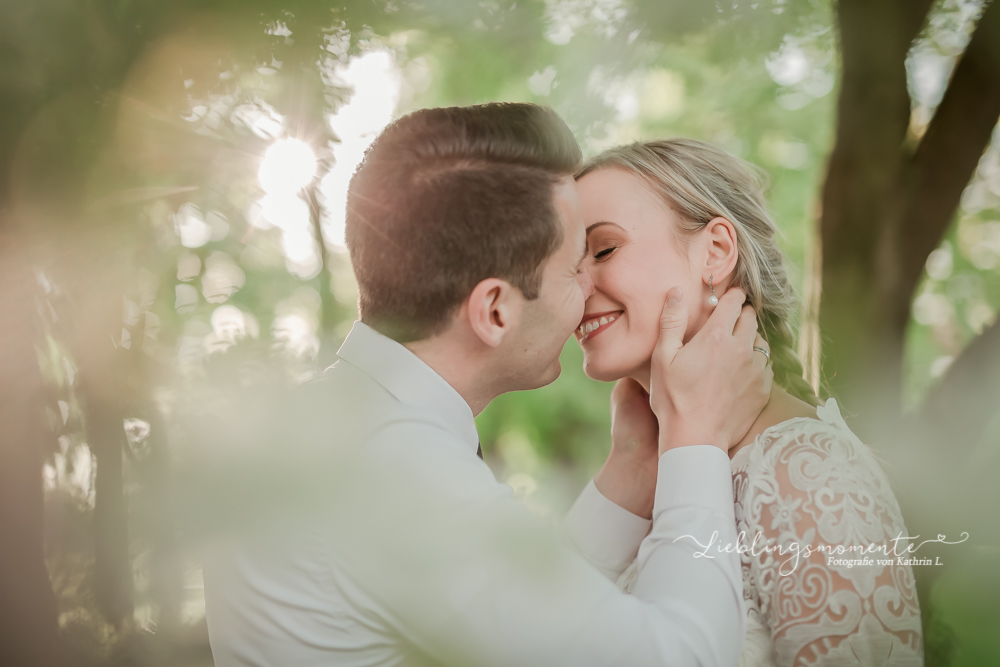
x: 602, y: 223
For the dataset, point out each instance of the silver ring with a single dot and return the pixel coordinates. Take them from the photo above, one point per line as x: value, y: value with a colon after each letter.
x: 762, y: 349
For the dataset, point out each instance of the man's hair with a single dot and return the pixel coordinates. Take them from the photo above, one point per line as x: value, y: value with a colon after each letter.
x: 446, y: 198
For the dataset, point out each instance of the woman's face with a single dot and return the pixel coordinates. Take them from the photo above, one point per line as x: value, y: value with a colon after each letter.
x: 635, y: 256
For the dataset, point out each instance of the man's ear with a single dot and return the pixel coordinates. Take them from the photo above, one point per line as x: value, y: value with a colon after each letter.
x: 721, y: 252
x: 493, y: 310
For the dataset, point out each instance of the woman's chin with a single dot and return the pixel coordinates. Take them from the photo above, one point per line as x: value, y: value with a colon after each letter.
x: 601, y: 372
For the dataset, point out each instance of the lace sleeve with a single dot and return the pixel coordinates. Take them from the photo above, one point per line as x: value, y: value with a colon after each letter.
x: 823, y: 574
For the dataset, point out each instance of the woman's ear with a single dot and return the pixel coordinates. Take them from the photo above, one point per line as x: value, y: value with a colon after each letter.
x: 493, y: 310
x: 721, y: 252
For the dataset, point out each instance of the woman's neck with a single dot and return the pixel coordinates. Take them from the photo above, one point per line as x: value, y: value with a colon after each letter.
x: 642, y: 377
x: 781, y: 406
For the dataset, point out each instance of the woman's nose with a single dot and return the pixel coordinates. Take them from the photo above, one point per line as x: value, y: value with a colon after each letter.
x: 586, y: 283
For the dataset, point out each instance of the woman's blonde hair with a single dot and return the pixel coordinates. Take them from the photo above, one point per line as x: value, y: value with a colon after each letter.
x: 700, y: 182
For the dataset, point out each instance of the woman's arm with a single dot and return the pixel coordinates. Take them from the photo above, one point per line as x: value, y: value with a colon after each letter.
x: 615, y: 510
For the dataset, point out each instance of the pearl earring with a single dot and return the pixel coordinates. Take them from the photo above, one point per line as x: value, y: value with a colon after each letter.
x: 712, y: 300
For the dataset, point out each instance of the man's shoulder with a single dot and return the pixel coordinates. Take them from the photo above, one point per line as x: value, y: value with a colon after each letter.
x: 343, y: 394
x: 345, y: 381
x: 347, y: 399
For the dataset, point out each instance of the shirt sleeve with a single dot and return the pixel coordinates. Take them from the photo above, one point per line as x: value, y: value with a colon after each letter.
x: 463, y: 574
x: 604, y: 533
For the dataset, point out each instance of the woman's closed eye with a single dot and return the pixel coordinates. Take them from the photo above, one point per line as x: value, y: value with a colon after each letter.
x: 602, y: 254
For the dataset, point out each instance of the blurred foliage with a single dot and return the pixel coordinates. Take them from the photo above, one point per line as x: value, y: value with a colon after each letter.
x: 147, y: 122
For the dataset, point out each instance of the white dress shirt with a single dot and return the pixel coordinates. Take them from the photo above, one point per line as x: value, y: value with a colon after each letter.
x: 413, y: 554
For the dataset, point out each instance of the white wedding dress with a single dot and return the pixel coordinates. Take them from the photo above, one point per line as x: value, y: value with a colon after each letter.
x: 812, y: 482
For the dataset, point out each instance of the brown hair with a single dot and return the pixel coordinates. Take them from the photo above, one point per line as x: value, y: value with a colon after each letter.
x: 700, y: 182
x: 446, y: 198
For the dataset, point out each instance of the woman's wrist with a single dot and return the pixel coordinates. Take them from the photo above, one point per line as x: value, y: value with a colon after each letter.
x: 674, y: 441
x: 629, y: 484
x: 678, y: 431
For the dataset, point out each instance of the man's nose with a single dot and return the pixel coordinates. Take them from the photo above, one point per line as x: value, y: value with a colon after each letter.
x: 586, y: 283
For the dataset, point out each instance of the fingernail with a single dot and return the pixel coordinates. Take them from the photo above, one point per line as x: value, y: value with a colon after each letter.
x: 674, y: 295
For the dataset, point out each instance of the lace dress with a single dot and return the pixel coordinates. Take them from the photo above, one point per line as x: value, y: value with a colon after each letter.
x: 811, y: 483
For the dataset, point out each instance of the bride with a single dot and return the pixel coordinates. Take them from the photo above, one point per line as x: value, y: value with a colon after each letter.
x: 684, y: 213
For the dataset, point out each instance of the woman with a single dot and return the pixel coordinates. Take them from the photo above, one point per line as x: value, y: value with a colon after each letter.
x: 684, y: 212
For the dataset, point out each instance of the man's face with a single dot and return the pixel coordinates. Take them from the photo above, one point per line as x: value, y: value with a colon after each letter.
x: 548, y: 321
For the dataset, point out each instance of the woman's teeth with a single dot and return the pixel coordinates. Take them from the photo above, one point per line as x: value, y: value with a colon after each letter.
x: 594, y: 324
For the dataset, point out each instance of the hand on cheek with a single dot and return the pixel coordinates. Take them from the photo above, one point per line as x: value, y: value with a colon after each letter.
x: 710, y: 390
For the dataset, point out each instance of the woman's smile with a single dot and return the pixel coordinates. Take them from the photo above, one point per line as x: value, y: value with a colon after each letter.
x: 594, y: 323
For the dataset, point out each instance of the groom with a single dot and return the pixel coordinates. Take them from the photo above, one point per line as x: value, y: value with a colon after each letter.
x: 468, y: 245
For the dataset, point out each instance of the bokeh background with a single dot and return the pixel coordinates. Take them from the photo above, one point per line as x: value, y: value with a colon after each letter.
x: 172, y: 183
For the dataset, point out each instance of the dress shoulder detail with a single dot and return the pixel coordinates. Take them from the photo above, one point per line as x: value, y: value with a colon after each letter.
x: 822, y: 581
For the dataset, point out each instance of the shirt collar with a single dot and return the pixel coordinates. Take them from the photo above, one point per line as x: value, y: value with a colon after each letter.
x: 407, y: 377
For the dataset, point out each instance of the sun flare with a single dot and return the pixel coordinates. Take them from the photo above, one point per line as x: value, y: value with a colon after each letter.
x: 288, y: 166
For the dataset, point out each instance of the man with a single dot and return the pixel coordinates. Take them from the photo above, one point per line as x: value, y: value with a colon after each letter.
x: 467, y: 242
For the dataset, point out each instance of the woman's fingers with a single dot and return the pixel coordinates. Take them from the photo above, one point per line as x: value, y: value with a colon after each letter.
x: 746, y: 325
x: 760, y: 342
x: 727, y: 312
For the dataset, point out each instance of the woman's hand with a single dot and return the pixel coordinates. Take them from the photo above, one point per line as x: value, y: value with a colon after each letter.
x: 710, y: 390
x: 628, y: 477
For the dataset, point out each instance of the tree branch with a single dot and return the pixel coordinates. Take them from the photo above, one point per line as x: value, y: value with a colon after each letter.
x: 947, y: 156
x: 963, y: 402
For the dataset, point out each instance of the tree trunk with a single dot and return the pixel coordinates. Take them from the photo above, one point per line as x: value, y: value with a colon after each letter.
x: 861, y: 321
x: 113, y: 567
x: 305, y: 115
x: 886, y: 205
x: 29, y: 631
